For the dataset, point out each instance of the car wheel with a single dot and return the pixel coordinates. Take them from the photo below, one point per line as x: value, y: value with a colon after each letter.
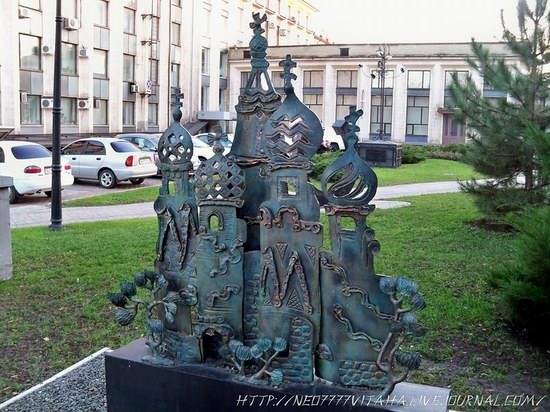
x: 137, y: 181
x: 334, y: 147
x: 12, y: 194
x: 48, y: 193
x: 107, y: 179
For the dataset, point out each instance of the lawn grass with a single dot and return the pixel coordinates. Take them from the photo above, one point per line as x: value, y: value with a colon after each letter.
x: 54, y: 310
x: 430, y: 170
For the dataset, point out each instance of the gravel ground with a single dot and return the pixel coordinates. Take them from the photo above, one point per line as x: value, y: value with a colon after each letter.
x: 80, y: 390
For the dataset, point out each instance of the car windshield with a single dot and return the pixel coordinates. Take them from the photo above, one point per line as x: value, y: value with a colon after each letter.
x: 155, y: 139
x: 30, y: 152
x: 123, y: 147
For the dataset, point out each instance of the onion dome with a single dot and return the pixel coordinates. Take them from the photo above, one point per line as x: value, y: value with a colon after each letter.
x: 293, y: 133
x: 175, y: 145
x: 349, y: 181
x: 219, y: 180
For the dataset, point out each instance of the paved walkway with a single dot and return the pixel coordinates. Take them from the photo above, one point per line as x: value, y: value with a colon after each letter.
x: 39, y: 215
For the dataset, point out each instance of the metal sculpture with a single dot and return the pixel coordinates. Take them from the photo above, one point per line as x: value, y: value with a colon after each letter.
x: 240, y: 275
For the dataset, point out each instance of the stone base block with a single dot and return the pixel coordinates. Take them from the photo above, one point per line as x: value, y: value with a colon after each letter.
x: 136, y: 386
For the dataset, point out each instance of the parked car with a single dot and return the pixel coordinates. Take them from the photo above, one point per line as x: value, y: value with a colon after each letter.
x: 148, y: 142
x: 332, y: 141
x: 226, y: 143
x: 108, y: 160
x: 30, y: 166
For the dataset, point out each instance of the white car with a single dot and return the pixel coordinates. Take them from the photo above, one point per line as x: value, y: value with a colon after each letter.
x: 332, y: 141
x: 109, y: 160
x: 30, y: 166
x: 201, y: 152
x: 226, y: 143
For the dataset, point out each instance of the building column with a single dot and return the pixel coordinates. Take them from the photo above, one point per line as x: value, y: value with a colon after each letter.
x: 329, y: 97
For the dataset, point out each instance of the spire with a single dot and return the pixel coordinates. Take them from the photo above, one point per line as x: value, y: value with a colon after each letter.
x: 288, y: 64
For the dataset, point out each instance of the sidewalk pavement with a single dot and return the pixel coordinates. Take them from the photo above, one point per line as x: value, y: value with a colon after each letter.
x: 39, y: 215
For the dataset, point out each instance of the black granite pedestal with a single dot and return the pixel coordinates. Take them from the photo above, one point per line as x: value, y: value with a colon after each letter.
x: 137, y: 386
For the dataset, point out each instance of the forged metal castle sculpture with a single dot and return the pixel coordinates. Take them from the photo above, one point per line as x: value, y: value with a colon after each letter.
x: 240, y: 276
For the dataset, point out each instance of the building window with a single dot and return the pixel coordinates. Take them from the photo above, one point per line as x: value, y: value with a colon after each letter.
x: 204, y: 98
x: 223, y: 65
x: 276, y: 79
x: 176, y: 34
x: 206, y: 22
x: 417, y: 115
x: 376, y: 114
x: 343, y: 105
x: 176, y: 3
x: 127, y: 68
x: 29, y: 52
x: 346, y: 78
x: 127, y: 113
x: 175, y: 75
x: 101, y: 13
x: 68, y: 8
x: 152, y: 114
x: 244, y: 79
x: 31, y: 113
x: 377, y: 80
x: 100, y: 112
x: 221, y: 100
x: 68, y: 111
x: 31, y: 4
x: 313, y: 78
x: 461, y: 74
x: 154, y: 71
x: 68, y: 58
x: 205, y: 60
x: 129, y: 21
x: 315, y: 103
x: 418, y: 79
x: 155, y: 28
x: 99, y: 64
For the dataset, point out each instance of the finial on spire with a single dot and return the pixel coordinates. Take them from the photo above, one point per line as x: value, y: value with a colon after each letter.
x: 177, y: 97
x: 256, y: 25
x: 288, y: 64
x: 214, y: 139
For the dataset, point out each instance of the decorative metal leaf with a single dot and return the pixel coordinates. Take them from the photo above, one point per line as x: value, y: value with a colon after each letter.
x: 128, y: 288
x: 256, y: 351
x: 188, y: 295
x: 161, y: 282
x: 395, y: 326
x: 234, y: 344
x: 155, y: 327
x: 124, y: 317
x: 140, y: 279
x: 149, y: 274
x: 276, y: 377
x: 171, y: 307
x: 409, y: 320
x: 387, y: 285
x: 169, y: 317
x: 406, y: 286
x: 172, y: 297
x: 410, y: 360
x: 243, y: 353
x: 417, y: 332
x: 117, y: 299
x: 279, y: 344
x: 324, y: 352
x: 224, y: 351
x: 264, y: 344
x: 418, y: 302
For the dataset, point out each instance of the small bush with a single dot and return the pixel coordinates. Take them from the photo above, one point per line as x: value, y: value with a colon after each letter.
x: 321, y: 161
x: 412, y: 154
x: 447, y: 152
x: 524, y: 279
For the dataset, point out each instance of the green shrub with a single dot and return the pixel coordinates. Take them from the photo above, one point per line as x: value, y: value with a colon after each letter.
x: 321, y: 161
x: 524, y: 279
x: 447, y: 152
x: 412, y: 154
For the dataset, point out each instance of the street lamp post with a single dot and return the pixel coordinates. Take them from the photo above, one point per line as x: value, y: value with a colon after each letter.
x: 384, y: 55
x: 56, y: 219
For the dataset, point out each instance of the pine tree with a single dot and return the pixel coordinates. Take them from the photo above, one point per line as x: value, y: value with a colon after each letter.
x: 508, y: 135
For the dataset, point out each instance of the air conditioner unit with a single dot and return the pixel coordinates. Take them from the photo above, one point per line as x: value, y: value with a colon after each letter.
x: 271, y: 25
x: 71, y: 24
x: 282, y: 32
x: 46, y: 103
x: 83, y: 103
x: 24, y: 97
x: 47, y: 50
x: 84, y: 52
x: 24, y: 13
x: 134, y: 88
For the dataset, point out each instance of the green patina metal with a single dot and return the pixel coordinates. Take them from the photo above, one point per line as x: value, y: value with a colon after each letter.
x: 240, y: 275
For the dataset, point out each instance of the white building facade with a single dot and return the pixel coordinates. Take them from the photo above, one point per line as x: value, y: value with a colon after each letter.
x: 334, y: 78
x: 122, y: 59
